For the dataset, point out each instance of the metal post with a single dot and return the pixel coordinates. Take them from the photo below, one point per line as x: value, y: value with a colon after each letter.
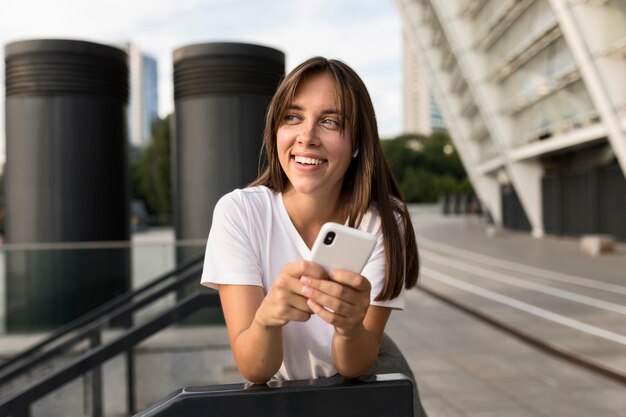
x: 130, y: 371
x: 96, y: 379
x: 130, y: 381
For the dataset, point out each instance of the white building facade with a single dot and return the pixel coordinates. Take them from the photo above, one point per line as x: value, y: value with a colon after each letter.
x: 533, y: 93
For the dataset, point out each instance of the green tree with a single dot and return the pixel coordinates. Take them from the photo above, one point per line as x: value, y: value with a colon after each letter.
x: 426, y: 167
x: 151, y: 174
x: 403, y: 151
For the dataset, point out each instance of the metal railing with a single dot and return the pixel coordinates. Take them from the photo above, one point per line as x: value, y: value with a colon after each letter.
x: 90, y: 327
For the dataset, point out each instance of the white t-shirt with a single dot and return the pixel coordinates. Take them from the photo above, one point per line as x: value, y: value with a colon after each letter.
x: 251, y: 239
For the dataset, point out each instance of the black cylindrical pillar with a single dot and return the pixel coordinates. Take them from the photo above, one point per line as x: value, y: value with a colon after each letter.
x: 66, y: 178
x: 221, y: 93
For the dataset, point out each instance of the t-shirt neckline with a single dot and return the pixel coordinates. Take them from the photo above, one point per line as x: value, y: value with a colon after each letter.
x: 291, y: 229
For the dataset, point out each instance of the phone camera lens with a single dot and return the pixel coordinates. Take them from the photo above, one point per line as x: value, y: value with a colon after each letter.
x: 330, y: 237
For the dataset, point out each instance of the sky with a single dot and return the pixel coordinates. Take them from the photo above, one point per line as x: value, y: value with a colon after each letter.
x: 366, y: 34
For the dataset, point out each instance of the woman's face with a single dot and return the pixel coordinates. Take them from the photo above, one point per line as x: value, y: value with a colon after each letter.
x: 313, y: 150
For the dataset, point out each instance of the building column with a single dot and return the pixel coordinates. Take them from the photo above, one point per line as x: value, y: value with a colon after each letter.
x: 530, y: 173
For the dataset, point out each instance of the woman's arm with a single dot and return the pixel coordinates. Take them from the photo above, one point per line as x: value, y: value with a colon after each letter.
x: 258, y: 350
x: 255, y: 321
x: 355, y: 354
x: 344, y: 302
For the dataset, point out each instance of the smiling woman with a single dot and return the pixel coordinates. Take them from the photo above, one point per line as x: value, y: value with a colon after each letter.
x: 314, y: 147
x: 286, y: 317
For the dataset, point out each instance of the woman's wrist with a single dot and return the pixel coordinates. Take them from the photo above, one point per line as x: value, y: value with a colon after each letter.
x: 260, y: 324
x: 354, y: 353
x: 260, y: 352
x: 352, y: 334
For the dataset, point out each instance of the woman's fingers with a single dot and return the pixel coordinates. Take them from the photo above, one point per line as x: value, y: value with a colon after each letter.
x: 351, y: 279
x: 342, y: 323
x: 343, y: 285
x: 303, y: 288
x: 299, y: 315
x: 328, y: 316
x: 342, y: 301
x: 280, y: 306
x: 284, y: 301
x: 305, y: 268
x: 293, y: 285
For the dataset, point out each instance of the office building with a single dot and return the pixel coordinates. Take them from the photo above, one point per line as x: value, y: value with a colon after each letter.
x: 534, y: 96
x: 421, y: 113
x: 144, y: 104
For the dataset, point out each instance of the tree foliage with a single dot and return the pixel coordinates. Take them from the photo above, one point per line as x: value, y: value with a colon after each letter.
x: 151, y: 173
x: 426, y: 167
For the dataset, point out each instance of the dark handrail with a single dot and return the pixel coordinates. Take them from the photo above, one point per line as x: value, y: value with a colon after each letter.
x: 99, y: 312
x: 368, y: 396
x: 18, y: 404
x: 89, y: 327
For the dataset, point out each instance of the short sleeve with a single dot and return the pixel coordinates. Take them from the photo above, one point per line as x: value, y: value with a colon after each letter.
x: 230, y: 256
x: 375, y: 269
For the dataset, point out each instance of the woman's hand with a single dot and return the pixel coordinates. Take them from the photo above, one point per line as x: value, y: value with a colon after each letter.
x: 254, y: 320
x: 342, y: 301
x: 285, y: 301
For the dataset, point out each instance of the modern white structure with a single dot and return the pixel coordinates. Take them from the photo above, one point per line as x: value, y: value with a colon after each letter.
x: 533, y: 93
x: 143, y: 104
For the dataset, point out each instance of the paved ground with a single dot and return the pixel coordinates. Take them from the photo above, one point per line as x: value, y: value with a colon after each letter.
x: 467, y: 368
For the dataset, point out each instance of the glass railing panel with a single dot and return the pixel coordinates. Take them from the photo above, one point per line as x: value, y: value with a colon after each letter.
x: 48, y: 285
x: 45, y: 286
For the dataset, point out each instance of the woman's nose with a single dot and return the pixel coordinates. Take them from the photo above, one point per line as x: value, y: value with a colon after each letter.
x: 308, y: 135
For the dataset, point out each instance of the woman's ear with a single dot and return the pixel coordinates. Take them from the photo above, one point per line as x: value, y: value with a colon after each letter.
x: 354, y: 155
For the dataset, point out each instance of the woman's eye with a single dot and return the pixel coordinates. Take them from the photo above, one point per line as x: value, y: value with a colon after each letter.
x: 291, y: 118
x: 330, y: 123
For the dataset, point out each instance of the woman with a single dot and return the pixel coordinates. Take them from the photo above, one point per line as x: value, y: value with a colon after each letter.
x: 286, y: 317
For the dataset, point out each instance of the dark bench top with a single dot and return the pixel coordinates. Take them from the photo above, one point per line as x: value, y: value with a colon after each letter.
x: 368, y: 396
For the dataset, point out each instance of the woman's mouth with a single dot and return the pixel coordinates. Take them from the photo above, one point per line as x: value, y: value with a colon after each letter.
x: 303, y: 160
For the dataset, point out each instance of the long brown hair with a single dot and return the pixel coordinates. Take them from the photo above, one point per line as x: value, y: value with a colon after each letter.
x: 368, y: 179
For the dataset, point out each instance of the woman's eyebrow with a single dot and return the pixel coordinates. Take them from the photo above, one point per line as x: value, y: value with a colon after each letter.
x: 332, y: 111
x: 326, y: 111
x: 294, y: 107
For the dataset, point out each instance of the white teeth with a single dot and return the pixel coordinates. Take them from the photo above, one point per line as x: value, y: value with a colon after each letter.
x: 308, y: 161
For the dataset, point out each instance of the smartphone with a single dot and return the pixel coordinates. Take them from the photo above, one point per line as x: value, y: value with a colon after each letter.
x: 342, y: 247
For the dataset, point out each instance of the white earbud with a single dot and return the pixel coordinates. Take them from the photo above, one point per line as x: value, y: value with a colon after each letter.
x: 354, y: 155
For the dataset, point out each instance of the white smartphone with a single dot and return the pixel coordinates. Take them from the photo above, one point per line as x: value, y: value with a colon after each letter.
x: 342, y: 247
